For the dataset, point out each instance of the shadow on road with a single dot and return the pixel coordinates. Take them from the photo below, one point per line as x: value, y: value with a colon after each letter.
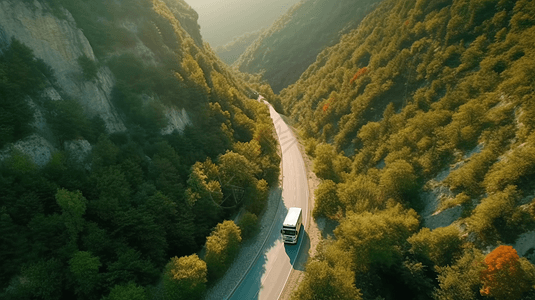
x: 253, y: 281
x: 298, y: 260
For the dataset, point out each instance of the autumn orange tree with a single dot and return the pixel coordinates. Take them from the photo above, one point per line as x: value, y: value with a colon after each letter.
x: 326, y: 105
x: 361, y: 71
x: 503, y: 277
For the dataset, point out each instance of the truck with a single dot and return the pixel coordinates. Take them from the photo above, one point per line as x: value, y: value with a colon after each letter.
x: 292, y: 225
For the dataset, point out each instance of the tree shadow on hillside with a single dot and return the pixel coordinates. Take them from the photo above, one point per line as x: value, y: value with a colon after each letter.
x: 327, y: 227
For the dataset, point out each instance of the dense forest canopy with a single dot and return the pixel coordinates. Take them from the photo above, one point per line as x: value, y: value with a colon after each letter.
x: 125, y: 221
x: 425, y: 97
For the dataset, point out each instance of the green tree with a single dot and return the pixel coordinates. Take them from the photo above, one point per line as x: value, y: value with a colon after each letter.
x: 68, y: 120
x: 138, y: 229
x: 130, y: 291
x: 519, y: 165
x: 323, y: 162
x: 263, y: 134
x: 239, y: 181
x: 195, y: 73
x: 84, y: 268
x: 323, y: 281
x: 205, y: 196
x: 256, y: 200
x: 15, y: 115
x: 23, y: 71
x: 21, y: 75
x: 249, y: 225
x: 185, y: 277
x: 166, y: 177
x: 131, y: 266
x: 496, y: 209
x: 39, y: 280
x: 49, y: 237
x: 441, y: 246
x: 327, y: 202
x: 203, y: 183
x: 222, y: 246
x: 461, y: 279
x: 370, y: 133
x: 399, y: 180
x: 19, y: 164
x: 104, y: 152
x: 89, y: 67
x: 469, y: 177
x: 111, y: 183
x: 243, y: 127
x: 176, y: 219
x: 13, y: 246
x: 98, y: 241
x: 73, y: 206
x: 376, y: 238
x: 360, y: 194
x: 237, y: 170
x: 133, y: 172
x: 264, y: 154
x: 112, y: 189
x: 222, y: 87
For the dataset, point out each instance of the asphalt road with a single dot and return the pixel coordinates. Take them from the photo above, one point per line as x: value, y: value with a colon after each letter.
x: 268, y: 275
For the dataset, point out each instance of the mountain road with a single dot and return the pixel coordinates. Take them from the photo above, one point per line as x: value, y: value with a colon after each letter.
x: 269, y: 273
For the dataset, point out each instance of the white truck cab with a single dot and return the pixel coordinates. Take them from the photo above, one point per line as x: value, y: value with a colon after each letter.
x: 292, y: 225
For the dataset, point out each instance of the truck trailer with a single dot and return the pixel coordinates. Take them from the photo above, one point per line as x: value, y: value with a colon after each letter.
x: 292, y: 225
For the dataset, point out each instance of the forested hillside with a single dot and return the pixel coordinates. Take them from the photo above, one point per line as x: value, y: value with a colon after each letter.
x: 291, y: 44
x: 120, y: 199
x: 231, y: 51
x: 425, y: 97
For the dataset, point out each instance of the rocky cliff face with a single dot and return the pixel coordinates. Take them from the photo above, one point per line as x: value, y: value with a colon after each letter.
x: 60, y: 42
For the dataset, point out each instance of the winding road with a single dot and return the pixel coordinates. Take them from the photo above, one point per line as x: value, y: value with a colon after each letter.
x: 271, y: 269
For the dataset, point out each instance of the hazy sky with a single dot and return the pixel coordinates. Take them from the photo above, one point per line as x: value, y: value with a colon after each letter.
x: 222, y: 20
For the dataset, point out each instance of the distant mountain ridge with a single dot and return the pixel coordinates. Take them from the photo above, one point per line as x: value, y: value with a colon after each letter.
x: 231, y: 51
x: 291, y: 44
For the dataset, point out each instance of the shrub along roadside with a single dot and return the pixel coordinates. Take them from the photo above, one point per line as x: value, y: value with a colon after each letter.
x: 187, y: 277
x: 249, y: 225
x: 222, y: 246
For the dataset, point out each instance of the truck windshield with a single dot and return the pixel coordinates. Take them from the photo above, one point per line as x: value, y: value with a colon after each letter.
x: 288, y: 231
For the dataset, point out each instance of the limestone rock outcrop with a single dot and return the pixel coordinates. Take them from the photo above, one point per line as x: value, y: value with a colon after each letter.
x: 59, y: 43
